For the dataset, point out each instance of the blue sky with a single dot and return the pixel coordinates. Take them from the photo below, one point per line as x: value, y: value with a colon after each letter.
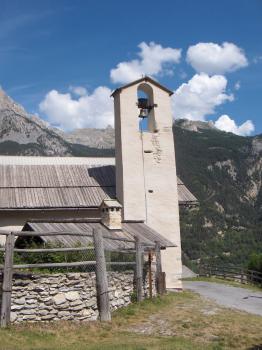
x: 56, y: 57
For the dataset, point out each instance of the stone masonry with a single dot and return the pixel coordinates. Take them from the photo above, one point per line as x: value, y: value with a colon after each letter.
x: 70, y: 296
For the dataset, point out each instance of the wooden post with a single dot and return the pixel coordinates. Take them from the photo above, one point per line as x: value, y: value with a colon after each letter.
x: 139, y: 270
x: 242, y: 276
x: 103, y: 302
x: 150, y: 274
x: 158, y: 258
x: 108, y: 259
x: 7, y: 281
x: 160, y: 276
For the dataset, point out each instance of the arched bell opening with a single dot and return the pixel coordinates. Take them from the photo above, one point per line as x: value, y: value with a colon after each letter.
x: 146, y: 108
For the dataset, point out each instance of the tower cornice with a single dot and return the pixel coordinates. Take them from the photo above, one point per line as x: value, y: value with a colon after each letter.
x: 143, y: 79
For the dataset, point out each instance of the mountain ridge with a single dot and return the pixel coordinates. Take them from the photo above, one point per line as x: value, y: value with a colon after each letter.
x: 25, y: 134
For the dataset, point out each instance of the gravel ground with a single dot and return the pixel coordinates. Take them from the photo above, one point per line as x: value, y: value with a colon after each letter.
x: 228, y: 296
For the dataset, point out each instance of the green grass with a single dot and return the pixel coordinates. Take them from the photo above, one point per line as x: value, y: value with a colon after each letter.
x: 181, y: 314
x: 82, y: 338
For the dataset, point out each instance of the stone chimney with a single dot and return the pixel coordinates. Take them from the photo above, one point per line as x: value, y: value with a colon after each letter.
x: 111, y: 215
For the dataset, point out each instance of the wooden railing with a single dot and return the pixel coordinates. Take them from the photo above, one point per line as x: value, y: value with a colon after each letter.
x: 98, y: 262
x: 232, y: 273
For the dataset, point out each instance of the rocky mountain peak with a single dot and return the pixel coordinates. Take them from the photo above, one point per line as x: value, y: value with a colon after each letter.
x: 194, y: 125
x: 6, y: 103
x: 92, y: 137
x: 21, y: 133
x: 25, y: 134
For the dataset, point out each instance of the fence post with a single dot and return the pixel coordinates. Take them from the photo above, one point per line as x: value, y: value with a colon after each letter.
x: 242, y: 276
x: 160, y: 276
x: 150, y: 274
x: 103, y: 302
x: 7, y: 281
x: 139, y: 270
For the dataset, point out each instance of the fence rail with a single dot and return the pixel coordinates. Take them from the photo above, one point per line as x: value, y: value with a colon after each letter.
x: 232, y: 273
x: 99, y: 265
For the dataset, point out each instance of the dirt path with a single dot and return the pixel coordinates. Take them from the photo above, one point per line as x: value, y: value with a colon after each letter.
x: 228, y: 296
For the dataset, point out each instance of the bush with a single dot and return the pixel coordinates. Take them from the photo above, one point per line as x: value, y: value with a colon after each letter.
x: 255, y: 262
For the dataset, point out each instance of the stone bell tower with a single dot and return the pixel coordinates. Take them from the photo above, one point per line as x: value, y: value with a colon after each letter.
x: 146, y: 181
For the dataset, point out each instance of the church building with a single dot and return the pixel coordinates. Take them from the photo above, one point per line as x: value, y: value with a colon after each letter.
x: 137, y: 193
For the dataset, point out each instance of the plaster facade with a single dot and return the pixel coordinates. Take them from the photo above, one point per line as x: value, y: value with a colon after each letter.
x: 146, y: 182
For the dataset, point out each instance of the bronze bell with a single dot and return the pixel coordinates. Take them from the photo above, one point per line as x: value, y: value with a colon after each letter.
x: 143, y: 113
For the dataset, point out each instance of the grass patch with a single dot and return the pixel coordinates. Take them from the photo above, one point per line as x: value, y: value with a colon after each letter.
x: 227, y: 282
x: 176, y: 321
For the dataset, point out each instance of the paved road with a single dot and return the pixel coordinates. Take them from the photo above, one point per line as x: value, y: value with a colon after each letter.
x: 232, y: 297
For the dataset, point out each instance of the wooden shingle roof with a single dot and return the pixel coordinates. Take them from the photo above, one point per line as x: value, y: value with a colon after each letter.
x: 129, y: 230
x: 185, y: 197
x: 25, y: 186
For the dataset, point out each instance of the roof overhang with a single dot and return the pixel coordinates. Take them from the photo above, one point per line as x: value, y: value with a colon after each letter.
x: 130, y: 230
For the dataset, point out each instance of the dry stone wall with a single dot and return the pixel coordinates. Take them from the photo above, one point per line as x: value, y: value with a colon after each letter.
x: 70, y: 296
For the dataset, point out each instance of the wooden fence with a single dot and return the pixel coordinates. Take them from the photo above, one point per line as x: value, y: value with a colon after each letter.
x: 99, y: 263
x: 232, y: 273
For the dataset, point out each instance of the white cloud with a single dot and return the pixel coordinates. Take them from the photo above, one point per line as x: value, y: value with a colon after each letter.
x: 193, y: 100
x: 199, y: 97
x: 90, y: 110
x: 212, y: 58
x: 225, y: 123
x: 153, y: 60
x: 237, y: 85
x: 78, y: 90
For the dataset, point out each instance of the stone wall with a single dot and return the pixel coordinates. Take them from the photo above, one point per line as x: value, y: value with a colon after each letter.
x: 70, y: 296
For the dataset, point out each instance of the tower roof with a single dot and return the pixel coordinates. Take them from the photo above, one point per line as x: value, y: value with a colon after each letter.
x: 144, y: 79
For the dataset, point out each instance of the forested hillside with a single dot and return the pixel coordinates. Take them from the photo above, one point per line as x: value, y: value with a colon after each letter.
x: 224, y: 171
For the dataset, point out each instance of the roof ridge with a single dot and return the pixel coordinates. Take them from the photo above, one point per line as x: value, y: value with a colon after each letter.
x: 76, y: 186
x: 146, y: 79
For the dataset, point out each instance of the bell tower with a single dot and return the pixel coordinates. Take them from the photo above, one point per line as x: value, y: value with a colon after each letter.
x: 146, y: 182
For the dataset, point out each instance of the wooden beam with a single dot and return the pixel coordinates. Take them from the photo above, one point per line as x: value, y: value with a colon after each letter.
x: 52, y: 250
x: 48, y: 233
x: 7, y: 281
x: 139, y: 270
x: 160, y: 276
x: 103, y: 301
x: 150, y: 274
x: 50, y: 265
